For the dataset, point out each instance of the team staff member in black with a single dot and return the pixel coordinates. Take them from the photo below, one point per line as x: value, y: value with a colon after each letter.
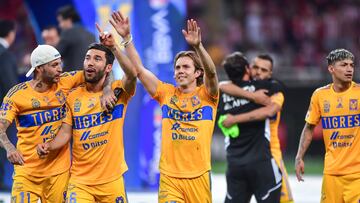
x: 251, y: 170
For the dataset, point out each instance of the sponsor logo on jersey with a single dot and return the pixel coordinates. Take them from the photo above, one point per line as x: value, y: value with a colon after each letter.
x: 176, y: 136
x: 77, y: 105
x: 91, y: 102
x: 184, y: 103
x: 326, y: 106
x: 177, y: 127
x: 86, y: 135
x: 60, y: 96
x: 35, y: 103
x: 174, y: 99
x: 95, y: 144
x: 339, y: 103
x: 339, y: 141
x: 353, y: 105
x: 195, y: 100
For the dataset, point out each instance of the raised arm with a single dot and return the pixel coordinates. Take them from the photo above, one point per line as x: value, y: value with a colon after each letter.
x: 12, y: 154
x: 62, y: 138
x: 193, y: 38
x: 258, y: 96
x: 129, y: 80
x: 305, y: 140
x: 122, y: 27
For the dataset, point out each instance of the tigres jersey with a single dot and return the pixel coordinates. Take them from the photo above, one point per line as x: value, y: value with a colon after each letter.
x: 38, y: 117
x: 187, y: 129
x: 277, y: 98
x: 98, y: 148
x: 339, y: 114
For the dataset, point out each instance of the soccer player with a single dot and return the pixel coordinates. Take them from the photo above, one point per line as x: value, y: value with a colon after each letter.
x: 336, y: 106
x: 261, y: 69
x: 98, y: 161
x: 251, y: 169
x: 188, y: 116
x: 37, y: 107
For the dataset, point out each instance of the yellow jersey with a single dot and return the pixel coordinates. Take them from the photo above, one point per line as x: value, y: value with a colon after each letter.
x: 98, y: 148
x: 38, y: 117
x: 339, y: 114
x: 275, y: 148
x: 187, y: 127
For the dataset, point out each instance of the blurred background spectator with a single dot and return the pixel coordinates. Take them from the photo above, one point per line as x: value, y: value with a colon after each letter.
x: 51, y: 35
x: 8, y: 66
x: 74, y: 38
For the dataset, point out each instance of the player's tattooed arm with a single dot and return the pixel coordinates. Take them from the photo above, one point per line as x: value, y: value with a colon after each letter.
x: 305, y: 140
x: 13, y: 155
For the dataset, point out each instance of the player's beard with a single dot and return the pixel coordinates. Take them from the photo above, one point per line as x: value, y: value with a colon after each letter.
x: 96, y: 78
x: 48, y: 79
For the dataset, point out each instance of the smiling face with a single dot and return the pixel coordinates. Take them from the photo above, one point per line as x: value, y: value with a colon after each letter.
x: 342, y: 71
x: 185, y: 74
x: 95, y: 66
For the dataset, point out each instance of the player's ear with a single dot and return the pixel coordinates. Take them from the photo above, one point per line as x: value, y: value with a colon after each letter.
x: 331, y: 68
x: 108, y: 68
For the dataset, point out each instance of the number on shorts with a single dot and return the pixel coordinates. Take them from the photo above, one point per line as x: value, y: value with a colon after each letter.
x: 72, y: 197
x: 119, y: 200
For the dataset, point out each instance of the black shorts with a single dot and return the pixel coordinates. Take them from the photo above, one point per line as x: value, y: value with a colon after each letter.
x: 262, y: 179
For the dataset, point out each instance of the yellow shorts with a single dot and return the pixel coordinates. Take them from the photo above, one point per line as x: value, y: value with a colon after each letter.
x: 181, y: 190
x: 339, y: 189
x: 29, y: 189
x: 286, y: 195
x: 113, y: 191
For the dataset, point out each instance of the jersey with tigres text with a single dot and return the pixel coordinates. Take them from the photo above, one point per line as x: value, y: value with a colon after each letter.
x: 339, y: 114
x: 98, y: 148
x: 187, y: 126
x: 38, y: 117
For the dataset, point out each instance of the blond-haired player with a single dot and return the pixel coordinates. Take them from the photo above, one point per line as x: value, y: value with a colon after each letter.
x: 336, y: 106
x: 188, y: 116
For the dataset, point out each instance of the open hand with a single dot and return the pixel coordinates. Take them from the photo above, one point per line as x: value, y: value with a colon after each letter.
x: 120, y: 24
x: 193, y: 33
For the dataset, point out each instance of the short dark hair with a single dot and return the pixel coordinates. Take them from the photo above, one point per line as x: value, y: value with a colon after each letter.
x: 197, y: 63
x: 339, y: 55
x: 50, y: 27
x: 67, y: 12
x: 108, y: 54
x: 266, y: 57
x: 6, y: 26
x: 235, y: 66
